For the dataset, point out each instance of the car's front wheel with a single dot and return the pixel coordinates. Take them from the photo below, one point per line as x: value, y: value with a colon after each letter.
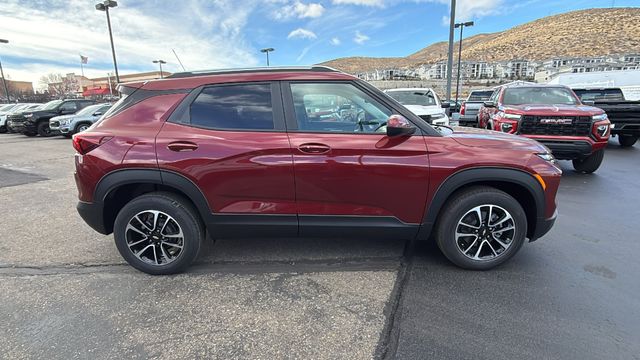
x: 159, y: 233
x: 480, y: 228
x: 589, y: 164
x: 627, y: 140
x: 44, y: 129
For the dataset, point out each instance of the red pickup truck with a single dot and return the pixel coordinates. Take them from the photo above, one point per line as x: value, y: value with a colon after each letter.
x: 554, y: 116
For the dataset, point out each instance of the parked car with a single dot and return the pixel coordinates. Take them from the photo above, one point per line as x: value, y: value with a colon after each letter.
x: 470, y: 107
x: 554, y: 116
x: 235, y: 154
x: 37, y: 122
x: 14, y: 109
x: 423, y: 102
x: 623, y: 114
x: 68, y: 125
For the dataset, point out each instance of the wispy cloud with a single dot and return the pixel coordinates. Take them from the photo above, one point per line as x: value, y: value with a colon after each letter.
x: 301, y: 33
x: 335, y: 41
x: 360, y: 38
x: 299, y: 10
x: 378, y: 3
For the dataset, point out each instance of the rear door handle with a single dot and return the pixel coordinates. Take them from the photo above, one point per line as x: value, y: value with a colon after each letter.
x: 314, y: 148
x: 180, y: 146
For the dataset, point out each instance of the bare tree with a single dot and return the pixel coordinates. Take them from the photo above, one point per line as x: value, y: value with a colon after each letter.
x: 59, y: 85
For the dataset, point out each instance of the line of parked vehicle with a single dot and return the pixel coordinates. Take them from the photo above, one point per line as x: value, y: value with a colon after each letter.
x: 57, y: 117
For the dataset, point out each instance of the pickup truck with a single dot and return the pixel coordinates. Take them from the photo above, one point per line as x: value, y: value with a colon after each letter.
x: 470, y: 107
x: 554, y: 116
x: 623, y: 114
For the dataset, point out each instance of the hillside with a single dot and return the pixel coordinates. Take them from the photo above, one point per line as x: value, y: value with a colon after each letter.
x: 590, y: 32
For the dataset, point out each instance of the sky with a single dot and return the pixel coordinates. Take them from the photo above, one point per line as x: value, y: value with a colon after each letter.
x: 48, y: 36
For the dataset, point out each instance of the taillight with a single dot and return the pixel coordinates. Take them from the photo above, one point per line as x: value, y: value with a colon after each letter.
x: 463, y: 108
x: 85, y: 142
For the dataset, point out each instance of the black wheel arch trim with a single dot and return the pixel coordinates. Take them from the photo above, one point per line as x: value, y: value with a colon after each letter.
x: 118, y: 178
x: 478, y: 175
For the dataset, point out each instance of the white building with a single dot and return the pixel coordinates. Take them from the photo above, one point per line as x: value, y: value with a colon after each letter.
x: 627, y: 80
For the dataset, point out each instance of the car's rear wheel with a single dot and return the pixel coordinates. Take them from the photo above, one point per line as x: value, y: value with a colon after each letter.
x: 489, y: 125
x: 480, y: 228
x: 44, y: 129
x: 589, y: 164
x: 159, y: 233
x: 627, y: 140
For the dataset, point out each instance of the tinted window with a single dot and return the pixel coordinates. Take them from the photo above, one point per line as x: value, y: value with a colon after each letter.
x: 600, y: 94
x: 246, y: 107
x: 480, y: 95
x: 70, y: 106
x: 337, y: 108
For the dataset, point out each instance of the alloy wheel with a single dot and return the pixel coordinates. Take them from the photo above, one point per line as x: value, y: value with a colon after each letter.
x: 154, y: 237
x: 485, y: 232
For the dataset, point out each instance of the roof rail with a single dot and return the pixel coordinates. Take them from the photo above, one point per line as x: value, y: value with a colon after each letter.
x: 314, y: 68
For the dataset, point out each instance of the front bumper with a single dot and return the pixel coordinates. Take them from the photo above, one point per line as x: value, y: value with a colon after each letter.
x: 543, y: 226
x: 569, y: 147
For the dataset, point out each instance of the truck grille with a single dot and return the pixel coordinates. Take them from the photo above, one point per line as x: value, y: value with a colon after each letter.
x: 555, y: 125
x: 16, y: 119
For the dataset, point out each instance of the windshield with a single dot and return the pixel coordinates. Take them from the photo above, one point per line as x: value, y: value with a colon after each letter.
x: 600, y: 94
x: 480, y: 95
x: 89, y: 110
x: 418, y: 97
x: 539, y: 95
x: 6, y: 107
x: 51, y: 105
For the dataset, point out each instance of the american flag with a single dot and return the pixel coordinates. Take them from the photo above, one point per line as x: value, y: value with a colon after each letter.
x: 84, y: 59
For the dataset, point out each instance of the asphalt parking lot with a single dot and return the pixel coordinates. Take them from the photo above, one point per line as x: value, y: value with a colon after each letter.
x: 66, y: 293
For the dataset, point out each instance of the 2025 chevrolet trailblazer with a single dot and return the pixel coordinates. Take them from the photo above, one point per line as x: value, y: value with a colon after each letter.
x: 268, y: 152
x: 552, y: 115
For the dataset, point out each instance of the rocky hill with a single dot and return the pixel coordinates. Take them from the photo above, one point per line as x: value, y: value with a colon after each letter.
x: 590, y: 32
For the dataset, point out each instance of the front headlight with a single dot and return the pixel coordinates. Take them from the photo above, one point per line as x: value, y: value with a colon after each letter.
x: 28, y: 116
x: 600, y: 117
x: 64, y: 121
x: 547, y: 157
x: 505, y: 115
x: 603, y: 130
x: 437, y: 116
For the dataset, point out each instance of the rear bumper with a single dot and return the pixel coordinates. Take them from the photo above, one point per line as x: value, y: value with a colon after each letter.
x: 543, y: 226
x: 468, y: 120
x: 92, y: 214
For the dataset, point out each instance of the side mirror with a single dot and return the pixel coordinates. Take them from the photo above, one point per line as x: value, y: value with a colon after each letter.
x: 445, y: 104
x: 398, y: 125
x: 97, y: 113
x: 489, y: 104
x: 589, y: 102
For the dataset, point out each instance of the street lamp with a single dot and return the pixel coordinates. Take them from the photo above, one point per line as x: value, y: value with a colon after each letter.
x: 266, y: 51
x: 160, y: 62
x: 4, y: 81
x: 461, y: 26
x: 104, y: 6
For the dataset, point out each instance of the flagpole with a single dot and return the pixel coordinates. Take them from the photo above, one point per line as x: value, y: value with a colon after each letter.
x: 81, y: 67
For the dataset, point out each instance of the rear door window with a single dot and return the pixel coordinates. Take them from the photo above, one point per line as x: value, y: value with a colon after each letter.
x: 234, y: 107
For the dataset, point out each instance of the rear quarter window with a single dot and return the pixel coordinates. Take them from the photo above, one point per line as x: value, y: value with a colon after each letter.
x: 234, y: 107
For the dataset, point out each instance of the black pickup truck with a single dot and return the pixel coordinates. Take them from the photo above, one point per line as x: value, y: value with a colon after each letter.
x: 624, y: 115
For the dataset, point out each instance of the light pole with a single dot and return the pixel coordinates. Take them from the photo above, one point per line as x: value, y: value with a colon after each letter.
x: 452, y: 22
x: 104, y: 6
x: 461, y: 26
x: 266, y: 51
x: 4, y: 81
x: 160, y: 62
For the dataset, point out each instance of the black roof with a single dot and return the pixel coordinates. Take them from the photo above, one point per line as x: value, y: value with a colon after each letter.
x: 315, y: 68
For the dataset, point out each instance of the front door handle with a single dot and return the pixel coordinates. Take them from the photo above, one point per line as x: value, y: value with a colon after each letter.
x: 180, y: 146
x: 314, y: 148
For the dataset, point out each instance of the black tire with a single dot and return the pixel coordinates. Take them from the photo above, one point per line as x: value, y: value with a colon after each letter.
x: 29, y: 134
x: 43, y: 129
x: 589, y: 164
x: 81, y: 127
x: 185, y: 216
x: 462, y: 203
x: 489, y: 125
x: 3, y: 129
x: 627, y: 140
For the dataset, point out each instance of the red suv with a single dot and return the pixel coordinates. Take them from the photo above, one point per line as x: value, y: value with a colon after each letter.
x: 552, y: 115
x: 308, y: 152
